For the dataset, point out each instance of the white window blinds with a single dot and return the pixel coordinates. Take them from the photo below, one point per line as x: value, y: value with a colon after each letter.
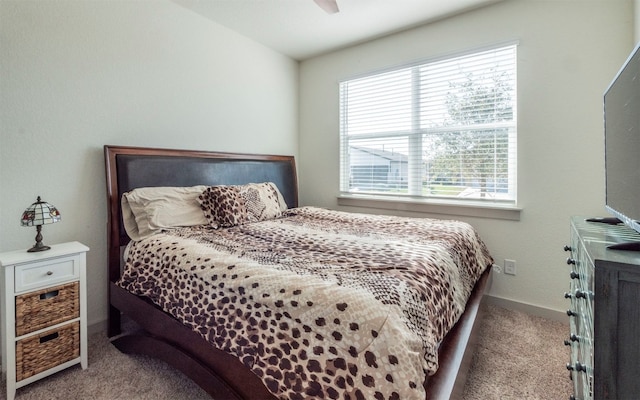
x: 443, y: 129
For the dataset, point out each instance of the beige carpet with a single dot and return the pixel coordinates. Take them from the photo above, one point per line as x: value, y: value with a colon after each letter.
x: 518, y: 357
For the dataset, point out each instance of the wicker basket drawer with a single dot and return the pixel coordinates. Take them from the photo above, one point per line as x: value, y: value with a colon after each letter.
x: 46, y: 350
x: 46, y: 307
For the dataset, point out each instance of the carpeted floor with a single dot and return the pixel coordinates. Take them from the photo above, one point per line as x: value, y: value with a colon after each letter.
x: 518, y: 357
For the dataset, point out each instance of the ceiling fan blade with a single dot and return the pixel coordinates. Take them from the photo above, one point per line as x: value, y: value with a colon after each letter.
x: 330, y: 6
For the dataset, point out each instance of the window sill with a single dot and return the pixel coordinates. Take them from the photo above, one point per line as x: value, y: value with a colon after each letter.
x: 479, y: 209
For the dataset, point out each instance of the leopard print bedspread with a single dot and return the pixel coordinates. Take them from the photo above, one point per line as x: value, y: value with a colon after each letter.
x: 318, y: 303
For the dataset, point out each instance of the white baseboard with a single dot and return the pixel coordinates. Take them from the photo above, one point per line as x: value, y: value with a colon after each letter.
x: 530, y: 309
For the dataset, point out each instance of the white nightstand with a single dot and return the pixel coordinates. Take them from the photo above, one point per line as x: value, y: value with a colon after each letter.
x: 44, y: 313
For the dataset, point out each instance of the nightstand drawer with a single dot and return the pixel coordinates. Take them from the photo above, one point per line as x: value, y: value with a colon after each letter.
x: 41, y: 352
x: 47, y: 307
x: 46, y: 273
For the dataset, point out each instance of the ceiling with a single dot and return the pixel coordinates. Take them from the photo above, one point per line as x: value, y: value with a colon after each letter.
x: 300, y: 29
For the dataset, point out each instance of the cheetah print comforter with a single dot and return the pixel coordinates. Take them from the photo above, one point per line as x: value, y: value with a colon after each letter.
x: 318, y: 303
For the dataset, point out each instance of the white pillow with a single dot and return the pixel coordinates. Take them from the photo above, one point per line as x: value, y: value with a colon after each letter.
x: 148, y: 210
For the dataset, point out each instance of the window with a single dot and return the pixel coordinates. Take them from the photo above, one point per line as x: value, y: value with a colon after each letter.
x: 443, y: 129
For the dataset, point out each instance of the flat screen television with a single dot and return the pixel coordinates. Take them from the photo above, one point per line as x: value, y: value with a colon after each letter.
x: 622, y: 145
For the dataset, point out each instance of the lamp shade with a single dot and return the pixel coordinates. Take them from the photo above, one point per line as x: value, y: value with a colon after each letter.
x: 38, y: 214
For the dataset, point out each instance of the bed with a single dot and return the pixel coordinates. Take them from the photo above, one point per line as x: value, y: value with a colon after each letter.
x: 275, y: 304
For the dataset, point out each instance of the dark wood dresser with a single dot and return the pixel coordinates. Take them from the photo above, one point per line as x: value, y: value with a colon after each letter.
x: 604, y: 314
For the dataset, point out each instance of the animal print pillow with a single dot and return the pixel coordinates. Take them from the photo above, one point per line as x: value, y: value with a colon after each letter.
x: 225, y: 206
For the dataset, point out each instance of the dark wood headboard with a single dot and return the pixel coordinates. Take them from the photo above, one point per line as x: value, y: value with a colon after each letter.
x: 128, y: 168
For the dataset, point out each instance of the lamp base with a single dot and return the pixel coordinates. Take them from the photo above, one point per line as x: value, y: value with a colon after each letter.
x: 38, y: 247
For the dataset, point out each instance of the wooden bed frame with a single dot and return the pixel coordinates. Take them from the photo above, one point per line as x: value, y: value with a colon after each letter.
x: 163, y: 337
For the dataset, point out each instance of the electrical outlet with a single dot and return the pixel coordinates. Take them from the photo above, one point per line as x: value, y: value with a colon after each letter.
x: 510, y: 267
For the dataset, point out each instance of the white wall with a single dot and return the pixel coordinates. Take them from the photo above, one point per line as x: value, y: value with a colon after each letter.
x: 568, y: 53
x: 636, y: 15
x: 76, y: 75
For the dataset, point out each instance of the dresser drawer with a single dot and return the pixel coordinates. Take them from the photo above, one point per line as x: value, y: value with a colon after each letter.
x: 40, y: 309
x: 46, y: 350
x: 46, y: 273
